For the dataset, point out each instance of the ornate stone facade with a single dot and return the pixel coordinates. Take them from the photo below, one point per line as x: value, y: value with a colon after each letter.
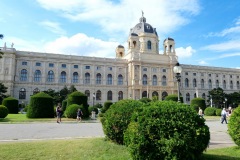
x: 140, y: 72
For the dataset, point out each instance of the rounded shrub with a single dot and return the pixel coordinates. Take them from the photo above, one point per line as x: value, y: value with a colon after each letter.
x: 166, y: 130
x: 116, y: 119
x: 233, y: 125
x: 3, y: 111
x: 210, y: 111
x: 40, y: 106
x: 64, y: 105
x: 218, y: 112
x: 12, y: 104
x: 80, y: 99
x: 173, y: 97
x: 145, y: 100
x: 93, y: 108
x: 71, y: 111
x: 198, y: 102
x: 106, y: 106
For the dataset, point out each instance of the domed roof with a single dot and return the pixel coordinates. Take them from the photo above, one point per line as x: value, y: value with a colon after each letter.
x: 171, y: 39
x: 120, y: 46
x: 141, y: 27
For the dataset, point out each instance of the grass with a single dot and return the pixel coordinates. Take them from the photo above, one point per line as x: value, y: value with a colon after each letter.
x: 21, y: 118
x: 87, y: 149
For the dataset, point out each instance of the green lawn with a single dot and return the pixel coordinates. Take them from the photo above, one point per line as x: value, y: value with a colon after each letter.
x: 87, y: 149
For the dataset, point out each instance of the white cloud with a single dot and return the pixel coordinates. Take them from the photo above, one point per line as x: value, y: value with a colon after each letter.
x: 117, y: 16
x: 80, y: 44
x: 225, y: 46
x: 53, y: 27
x: 202, y: 62
x: 184, y: 52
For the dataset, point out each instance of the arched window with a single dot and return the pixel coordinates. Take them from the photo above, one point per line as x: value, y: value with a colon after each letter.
x: 99, y: 79
x: 204, y: 96
x: 187, y: 97
x: 87, y: 93
x: 22, y: 93
x: 144, y: 81
x: 23, y: 75
x: 134, y: 44
x: 144, y: 94
x: 75, y: 77
x: 164, y: 80
x: 217, y: 84
x: 149, y: 45
x: 98, y: 95
x: 210, y: 84
x: 186, y: 83
x: 154, y: 80
x: 87, y: 78
x: 194, y: 83
x: 238, y: 85
x: 164, y: 95
x: 224, y: 84
x: 109, y: 79
x: 231, y: 84
x: 109, y: 95
x: 63, y: 77
x: 120, y: 95
x: 195, y: 95
x: 37, y: 76
x: 202, y: 83
x: 120, y: 79
x: 50, y: 76
x: 155, y: 94
x: 35, y: 91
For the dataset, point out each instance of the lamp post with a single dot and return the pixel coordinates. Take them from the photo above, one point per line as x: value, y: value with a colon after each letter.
x: 177, y: 69
x: 211, y: 100
x: 93, y: 98
x: 226, y: 102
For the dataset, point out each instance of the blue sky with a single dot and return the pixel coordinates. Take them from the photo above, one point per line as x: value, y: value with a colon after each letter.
x: 206, y: 32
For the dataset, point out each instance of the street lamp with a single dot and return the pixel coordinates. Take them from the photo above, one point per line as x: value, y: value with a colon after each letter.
x: 226, y: 102
x: 177, y: 69
x: 211, y: 100
x: 93, y: 98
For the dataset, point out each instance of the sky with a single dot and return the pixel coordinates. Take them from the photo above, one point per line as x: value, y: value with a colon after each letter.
x: 206, y: 32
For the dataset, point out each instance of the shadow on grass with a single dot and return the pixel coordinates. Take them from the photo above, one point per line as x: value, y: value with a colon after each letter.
x: 5, y: 120
x: 218, y: 157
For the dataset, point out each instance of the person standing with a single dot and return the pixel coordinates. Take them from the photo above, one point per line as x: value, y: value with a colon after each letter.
x: 224, y: 116
x: 200, y: 112
x: 79, y: 115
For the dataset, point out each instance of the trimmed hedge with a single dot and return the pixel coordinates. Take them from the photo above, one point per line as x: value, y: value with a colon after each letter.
x: 173, y: 97
x: 145, y: 100
x: 92, y: 108
x: 80, y: 99
x: 11, y: 104
x: 198, y: 102
x: 233, y: 126
x: 71, y: 111
x: 3, y: 111
x: 210, y: 111
x: 64, y: 105
x: 166, y: 130
x: 218, y: 112
x: 40, y: 106
x: 106, y: 106
x: 116, y: 119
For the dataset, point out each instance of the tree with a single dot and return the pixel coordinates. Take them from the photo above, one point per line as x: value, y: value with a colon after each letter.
x: 3, y: 90
x: 218, y: 96
x: 63, y: 93
x: 55, y: 95
x: 233, y: 99
x: 72, y: 89
x: 1, y: 37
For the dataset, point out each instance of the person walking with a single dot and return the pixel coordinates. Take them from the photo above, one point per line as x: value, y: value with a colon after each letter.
x: 79, y: 115
x: 224, y: 115
x: 59, y: 113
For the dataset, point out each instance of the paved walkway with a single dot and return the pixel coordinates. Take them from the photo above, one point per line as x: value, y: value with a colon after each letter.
x: 70, y: 130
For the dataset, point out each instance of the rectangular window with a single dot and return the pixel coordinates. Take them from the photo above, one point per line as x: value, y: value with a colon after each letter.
x: 223, y: 76
x: 164, y: 70
x: 186, y: 73
x: 154, y: 69
x: 87, y: 67
x: 75, y: 66
x: 38, y: 64
x: 64, y: 65
x: 237, y: 76
x: 202, y: 74
x: 209, y: 75
x: 144, y: 69
x: 51, y: 65
x: 194, y: 74
x: 216, y: 75
x: 110, y: 68
x: 98, y: 68
x: 24, y: 63
x: 230, y: 76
